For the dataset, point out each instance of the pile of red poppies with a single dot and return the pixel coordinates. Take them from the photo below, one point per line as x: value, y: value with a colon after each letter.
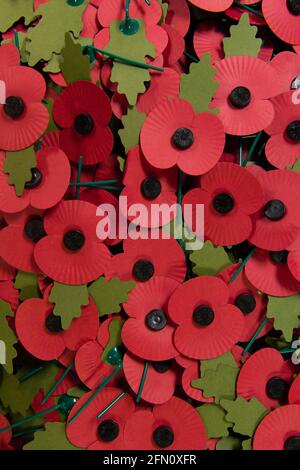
x: 131, y: 339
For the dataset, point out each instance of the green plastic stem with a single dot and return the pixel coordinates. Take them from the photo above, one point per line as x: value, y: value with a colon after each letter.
x: 241, y: 266
x: 191, y: 57
x: 30, y: 373
x: 143, y: 380
x: 111, y: 404
x: 30, y: 418
x: 251, y: 10
x: 135, y: 63
x: 16, y: 38
x: 253, y: 339
x: 57, y: 383
x: 252, y: 148
x: 95, y: 183
x: 77, y: 193
x: 26, y: 431
x: 241, y: 153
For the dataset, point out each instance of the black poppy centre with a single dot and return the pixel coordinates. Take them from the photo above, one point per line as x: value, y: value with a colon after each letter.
x: 292, y: 443
x: 151, y: 188
x: 14, y: 107
x: 143, y: 270
x: 36, y: 179
x: 203, y: 315
x: 163, y: 437
x: 293, y: 7
x: 34, y: 229
x: 279, y: 257
x: 245, y: 302
x: 108, y: 430
x: 293, y: 131
x: 276, y: 388
x: 74, y: 240
x: 240, y: 97
x: 156, y: 320
x: 223, y: 203
x: 161, y: 366
x: 84, y: 124
x: 53, y: 323
x: 274, y: 210
x: 183, y: 138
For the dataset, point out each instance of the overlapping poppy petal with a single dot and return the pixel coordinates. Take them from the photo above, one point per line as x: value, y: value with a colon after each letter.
x: 283, y: 19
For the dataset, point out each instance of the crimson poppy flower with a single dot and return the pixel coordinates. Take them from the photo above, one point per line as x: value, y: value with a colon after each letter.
x: 269, y: 272
x: 175, y: 46
x: 160, y: 380
x: 174, y: 425
x: 178, y: 16
x: 5, y: 437
x: 235, y: 12
x: 173, y: 134
x: 208, y: 325
x: 208, y: 37
x: 267, y: 377
x: 83, y: 111
x: 19, y: 237
x: 23, y: 118
x: 107, y: 433
x: 37, y: 407
x: 143, y: 259
x: 294, y: 392
x: 283, y: 19
x: 90, y: 361
x: 7, y: 272
x: 191, y: 372
x: 279, y: 430
x: 41, y: 333
x: 287, y: 66
x: 246, y: 85
x: 227, y: 203
x: 276, y: 224
x: 109, y: 169
x: 148, y: 333
x: 9, y: 294
x: 9, y: 56
x: 147, y: 185
x: 70, y: 252
x: 283, y: 148
x: 251, y: 303
x: 46, y: 187
x: 212, y: 5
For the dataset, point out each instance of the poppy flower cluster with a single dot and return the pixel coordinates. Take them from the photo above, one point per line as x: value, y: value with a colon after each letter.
x: 170, y: 322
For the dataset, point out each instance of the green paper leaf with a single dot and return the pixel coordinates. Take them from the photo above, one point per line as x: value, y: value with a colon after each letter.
x: 210, y: 260
x: 132, y: 123
x: 11, y: 396
x: 68, y: 301
x: 226, y: 359
x: 109, y: 295
x: 53, y: 438
x: 55, y: 63
x: 49, y: 105
x: 131, y: 80
x: 164, y: 7
x: 78, y: 391
x: 48, y: 36
x: 42, y: 380
x: 18, y: 166
x: 277, y: 343
x: 247, y: 444
x: 121, y: 161
x: 229, y: 443
x: 246, y: 415
x: 285, y: 311
x: 213, y: 417
x: 75, y: 66
x: 219, y: 383
x: 242, y: 40
x: 7, y: 337
x: 22, y: 45
x: 27, y: 284
x: 14, y: 10
x: 199, y: 86
x: 295, y: 167
x: 114, y: 329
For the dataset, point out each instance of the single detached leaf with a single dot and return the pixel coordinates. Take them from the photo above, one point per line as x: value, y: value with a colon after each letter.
x: 213, y: 417
x: 229, y: 443
x: 210, y: 260
x: 199, y: 85
x: 130, y: 79
x: 18, y: 166
x: 242, y: 40
x: 219, y: 383
x: 48, y: 36
x: 53, y: 438
x: 285, y: 311
x: 246, y: 415
x: 114, y: 328
x: 75, y: 66
x: 226, y: 359
x: 27, y: 284
x: 132, y: 123
x: 14, y: 10
x: 7, y: 338
x: 109, y: 295
x: 68, y: 301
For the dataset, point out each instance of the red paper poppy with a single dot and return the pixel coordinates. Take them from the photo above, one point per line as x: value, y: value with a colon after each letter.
x: 90, y: 23
x: 175, y: 46
x: 41, y: 333
x: 279, y: 430
x: 212, y: 5
x: 294, y: 392
x: 191, y: 372
x: 37, y: 407
x: 109, y: 169
x: 147, y: 185
x: 23, y: 118
x: 269, y: 273
x: 265, y: 376
x: 148, y: 333
x: 71, y: 253
x: 249, y: 301
x: 227, y: 204
x: 106, y: 433
x: 287, y: 66
x: 175, y: 425
x: 9, y: 294
x: 293, y: 261
x: 7, y: 272
x: 277, y: 224
x: 90, y: 362
x: 235, y: 12
x: 83, y: 111
x: 283, y: 148
x: 5, y: 437
x: 18, y: 239
x: 178, y: 16
x: 283, y: 19
x: 173, y: 134
x: 114, y: 10
x: 143, y: 259
x: 208, y: 325
x: 160, y: 380
x: 208, y: 37
x: 246, y: 84
x: 47, y: 185
x: 9, y: 56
